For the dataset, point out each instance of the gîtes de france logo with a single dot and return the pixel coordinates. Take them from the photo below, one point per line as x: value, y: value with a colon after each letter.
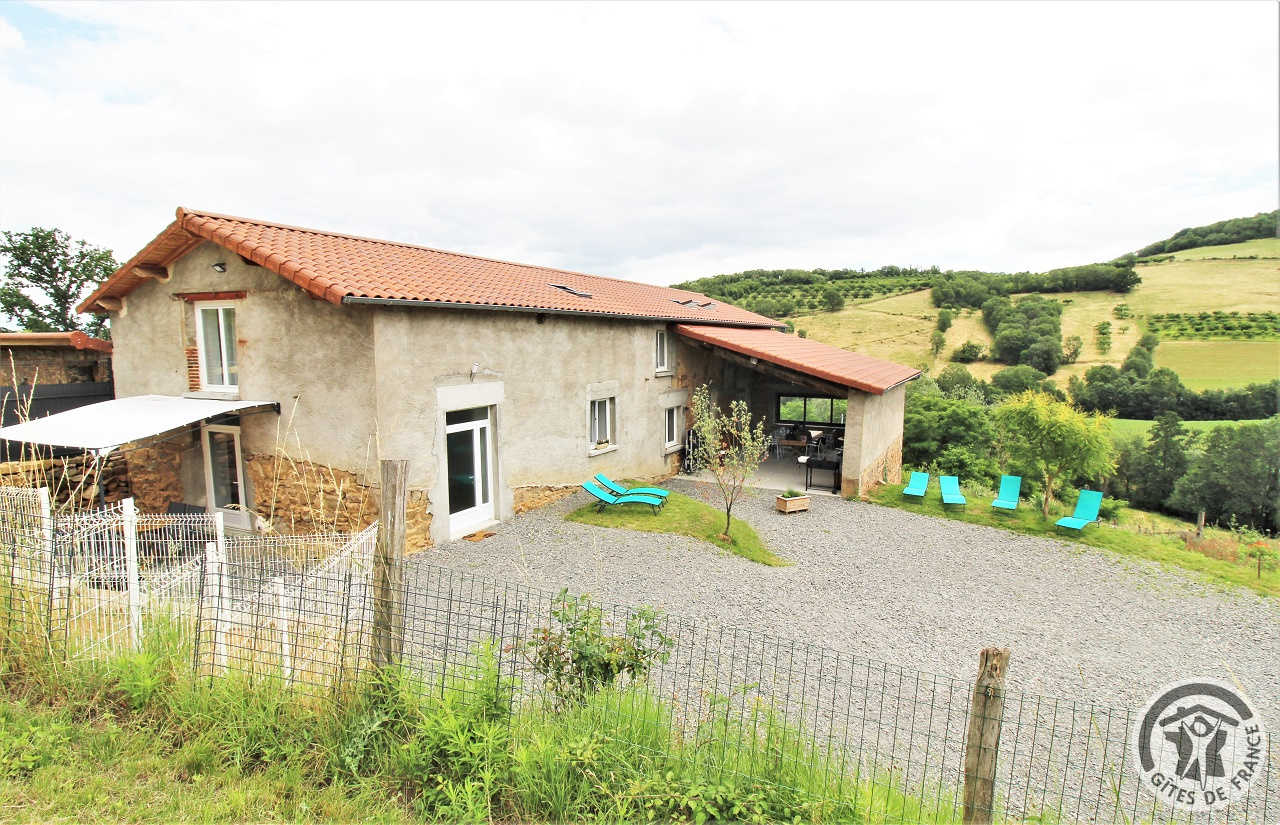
x: 1198, y: 744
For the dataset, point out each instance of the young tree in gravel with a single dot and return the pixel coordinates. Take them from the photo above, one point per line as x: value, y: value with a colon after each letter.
x: 729, y: 446
x: 1054, y: 440
x: 46, y: 275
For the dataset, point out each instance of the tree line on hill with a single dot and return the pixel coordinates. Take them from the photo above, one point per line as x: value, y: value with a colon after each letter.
x: 1018, y: 424
x: 973, y: 289
x: 1235, y: 230
x: 1138, y: 389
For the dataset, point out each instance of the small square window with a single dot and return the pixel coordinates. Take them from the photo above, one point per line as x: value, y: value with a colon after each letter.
x: 674, y: 425
x: 602, y: 411
x: 660, y: 360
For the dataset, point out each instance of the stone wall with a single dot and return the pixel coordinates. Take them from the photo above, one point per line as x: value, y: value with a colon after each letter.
x: 71, y: 481
x: 531, y: 498
x: 53, y: 365
x: 298, y: 496
x: 154, y: 475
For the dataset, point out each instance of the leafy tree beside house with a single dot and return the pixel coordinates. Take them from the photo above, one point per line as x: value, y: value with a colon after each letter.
x: 729, y: 445
x: 46, y: 275
x: 1054, y: 441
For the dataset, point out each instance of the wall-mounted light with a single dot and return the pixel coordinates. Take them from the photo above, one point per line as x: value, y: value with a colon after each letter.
x: 220, y: 267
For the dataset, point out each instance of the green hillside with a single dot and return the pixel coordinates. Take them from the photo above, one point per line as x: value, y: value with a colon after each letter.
x: 1215, y: 308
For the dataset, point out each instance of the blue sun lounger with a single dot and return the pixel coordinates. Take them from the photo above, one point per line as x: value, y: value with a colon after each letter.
x: 618, y: 490
x: 917, y: 485
x: 1007, y: 498
x: 605, y: 499
x: 1086, y: 511
x: 950, y: 486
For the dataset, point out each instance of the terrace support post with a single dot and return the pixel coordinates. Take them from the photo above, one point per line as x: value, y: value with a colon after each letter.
x: 982, y: 742
x: 129, y: 524
x: 388, y: 565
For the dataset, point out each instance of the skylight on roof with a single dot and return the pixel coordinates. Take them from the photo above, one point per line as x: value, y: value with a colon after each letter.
x: 571, y: 290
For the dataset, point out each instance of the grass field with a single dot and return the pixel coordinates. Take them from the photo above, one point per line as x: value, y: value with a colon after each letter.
x: 683, y: 516
x: 1262, y: 248
x: 1215, y: 365
x: 1121, y: 427
x: 898, y: 328
x: 1124, y: 539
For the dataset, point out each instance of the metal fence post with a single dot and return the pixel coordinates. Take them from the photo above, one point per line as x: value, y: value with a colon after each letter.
x: 129, y: 524
x: 982, y: 742
x: 282, y: 625
x: 388, y: 565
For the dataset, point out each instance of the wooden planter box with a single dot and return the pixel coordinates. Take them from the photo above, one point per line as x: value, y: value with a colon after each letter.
x: 792, y: 505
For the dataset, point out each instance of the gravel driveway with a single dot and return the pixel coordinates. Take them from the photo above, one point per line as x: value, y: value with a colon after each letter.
x: 922, y: 592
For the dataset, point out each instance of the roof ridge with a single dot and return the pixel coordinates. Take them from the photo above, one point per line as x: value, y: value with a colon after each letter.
x: 184, y: 212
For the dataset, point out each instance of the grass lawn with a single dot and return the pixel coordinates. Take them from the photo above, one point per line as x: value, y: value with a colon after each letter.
x: 56, y: 768
x: 1260, y: 247
x: 1135, y: 426
x: 1168, y: 550
x: 683, y: 516
x: 1205, y: 365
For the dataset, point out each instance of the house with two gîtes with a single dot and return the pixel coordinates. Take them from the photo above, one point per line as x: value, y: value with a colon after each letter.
x: 259, y: 368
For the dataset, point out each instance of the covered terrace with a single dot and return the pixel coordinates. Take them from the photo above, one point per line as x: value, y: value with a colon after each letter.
x: 835, y: 416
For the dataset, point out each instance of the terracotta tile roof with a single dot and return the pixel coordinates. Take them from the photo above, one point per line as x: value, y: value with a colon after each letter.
x: 348, y: 269
x: 833, y: 364
x: 72, y: 340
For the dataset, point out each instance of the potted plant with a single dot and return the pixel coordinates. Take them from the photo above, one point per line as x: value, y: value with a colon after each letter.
x: 791, y: 501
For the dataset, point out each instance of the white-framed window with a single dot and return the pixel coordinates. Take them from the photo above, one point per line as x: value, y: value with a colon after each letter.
x: 602, y: 413
x: 216, y: 343
x: 674, y: 426
x: 224, y: 474
x: 660, y: 360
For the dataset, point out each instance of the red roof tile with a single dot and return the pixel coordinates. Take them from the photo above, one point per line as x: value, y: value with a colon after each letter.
x: 343, y: 268
x: 839, y: 366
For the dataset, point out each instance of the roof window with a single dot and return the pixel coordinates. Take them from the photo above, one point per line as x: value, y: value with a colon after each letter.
x: 571, y: 290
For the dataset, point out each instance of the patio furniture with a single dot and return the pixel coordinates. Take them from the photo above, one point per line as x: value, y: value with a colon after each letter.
x: 916, y: 485
x: 950, y: 486
x: 617, y: 489
x: 812, y: 463
x: 1086, y: 511
x: 605, y: 499
x: 1007, y: 498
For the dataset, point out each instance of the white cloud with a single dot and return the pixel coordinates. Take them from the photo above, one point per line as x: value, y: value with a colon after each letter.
x: 657, y: 142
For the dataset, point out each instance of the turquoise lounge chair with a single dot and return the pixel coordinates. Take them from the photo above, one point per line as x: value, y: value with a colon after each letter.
x: 951, y: 494
x: 1007, y: 498
x: 606, y: 499
x: 917, y: 485
x: 1086, y: 511
x: 618, y: 490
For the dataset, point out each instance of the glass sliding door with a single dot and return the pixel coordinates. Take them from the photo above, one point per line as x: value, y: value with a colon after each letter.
x: 469, y: 457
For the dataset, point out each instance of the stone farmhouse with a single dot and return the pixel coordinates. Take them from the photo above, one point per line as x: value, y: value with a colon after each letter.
x: 262, y: 369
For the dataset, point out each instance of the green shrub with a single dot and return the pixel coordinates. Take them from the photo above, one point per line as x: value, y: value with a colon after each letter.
x: 578, y: 656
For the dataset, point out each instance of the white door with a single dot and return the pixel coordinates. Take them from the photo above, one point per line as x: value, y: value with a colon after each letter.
x: 469, y: 452
x: 224, y: 475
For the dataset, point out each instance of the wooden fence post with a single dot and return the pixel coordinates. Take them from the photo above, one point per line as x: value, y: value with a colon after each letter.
x: 388, y: 565
x: 982, y: 743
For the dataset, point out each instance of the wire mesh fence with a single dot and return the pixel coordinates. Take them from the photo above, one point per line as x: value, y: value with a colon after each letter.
x: 875, y: 741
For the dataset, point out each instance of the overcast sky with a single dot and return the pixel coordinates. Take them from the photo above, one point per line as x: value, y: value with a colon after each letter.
x: 657, y: 142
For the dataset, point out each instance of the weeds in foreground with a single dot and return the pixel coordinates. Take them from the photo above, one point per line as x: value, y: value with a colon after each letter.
x: 399, y: 747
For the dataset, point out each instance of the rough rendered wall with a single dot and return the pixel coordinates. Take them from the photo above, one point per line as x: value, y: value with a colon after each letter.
x: 872, y: 441
x: 546, y: 373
